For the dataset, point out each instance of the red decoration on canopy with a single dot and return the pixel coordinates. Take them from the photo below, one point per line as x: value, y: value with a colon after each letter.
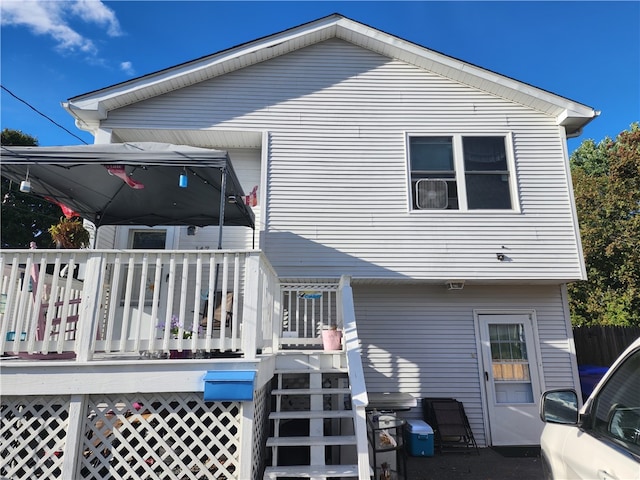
x: 119, y: 171
x: 68, y: 212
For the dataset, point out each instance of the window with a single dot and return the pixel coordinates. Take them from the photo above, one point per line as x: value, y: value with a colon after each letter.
x: 148, y: 239
x: 459, y: 173
x: 616, y: 411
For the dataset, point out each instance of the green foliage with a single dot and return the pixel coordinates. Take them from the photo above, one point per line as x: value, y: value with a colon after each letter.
x: 606, y: 182
x: 69, y: 233
x: 25, y: 217
x: 16, y: 137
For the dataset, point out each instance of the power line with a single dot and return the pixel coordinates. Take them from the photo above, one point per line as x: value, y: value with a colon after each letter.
x: 40, y: 113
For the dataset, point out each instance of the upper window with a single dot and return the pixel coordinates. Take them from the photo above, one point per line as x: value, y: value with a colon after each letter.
x: 459, y: 172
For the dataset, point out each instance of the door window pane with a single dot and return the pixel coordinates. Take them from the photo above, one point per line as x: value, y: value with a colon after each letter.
x: 509, y: 352
x: 149, y: 239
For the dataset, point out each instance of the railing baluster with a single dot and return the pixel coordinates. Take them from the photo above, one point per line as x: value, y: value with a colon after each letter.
x: 169, y: 294
x: 235, y: 312
x: 155, y: 303
x: 141, y: 301
x: 195, y: 321
x: 124, y: 331
x: 113, y: 303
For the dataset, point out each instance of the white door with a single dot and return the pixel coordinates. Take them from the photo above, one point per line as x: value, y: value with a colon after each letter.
x: 511, y: 378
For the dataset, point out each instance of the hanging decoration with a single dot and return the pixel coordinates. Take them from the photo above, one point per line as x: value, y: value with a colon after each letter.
x: 252, y: 198
x: 67, y: 211
x: 25, y: 185
x: 183, y: 181
x: 119, y: 171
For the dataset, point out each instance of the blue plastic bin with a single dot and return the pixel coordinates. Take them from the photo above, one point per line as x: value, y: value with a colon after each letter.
x: 590, y: 375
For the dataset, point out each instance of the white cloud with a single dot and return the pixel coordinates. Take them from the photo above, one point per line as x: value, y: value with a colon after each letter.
x: 46, y: 17
x: 97, y: 12
x: 127, y: 67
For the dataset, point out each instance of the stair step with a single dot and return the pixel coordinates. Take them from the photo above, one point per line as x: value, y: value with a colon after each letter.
x: 309, y: 391
x: 302, y: 414
x: 312, y: 471
x: 311, y: 441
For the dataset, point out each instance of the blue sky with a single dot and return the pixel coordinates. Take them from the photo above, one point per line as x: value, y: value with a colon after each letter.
x: 53, y: 50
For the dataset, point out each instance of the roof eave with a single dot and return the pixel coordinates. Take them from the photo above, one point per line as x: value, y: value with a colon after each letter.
x: 90, y: 108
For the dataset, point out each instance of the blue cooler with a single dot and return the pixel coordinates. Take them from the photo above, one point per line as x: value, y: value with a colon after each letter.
x: 419, y: 438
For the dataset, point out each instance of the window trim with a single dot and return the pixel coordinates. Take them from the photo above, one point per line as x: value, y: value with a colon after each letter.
x: 460, y: 173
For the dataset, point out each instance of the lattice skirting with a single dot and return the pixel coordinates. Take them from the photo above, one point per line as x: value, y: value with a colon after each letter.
x: 260, y: 430
x: 151, y: 436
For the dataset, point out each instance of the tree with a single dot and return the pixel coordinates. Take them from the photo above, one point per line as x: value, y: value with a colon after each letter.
x: 25, y: 217
x: 606, y: 182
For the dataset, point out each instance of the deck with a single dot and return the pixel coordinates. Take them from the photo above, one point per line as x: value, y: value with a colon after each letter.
x: 104, y: 353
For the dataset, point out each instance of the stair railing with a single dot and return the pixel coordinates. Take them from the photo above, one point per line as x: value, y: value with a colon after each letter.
x: 359, y: 398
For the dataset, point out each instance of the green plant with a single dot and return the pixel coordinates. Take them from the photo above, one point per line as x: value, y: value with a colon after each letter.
x: 69, y: 233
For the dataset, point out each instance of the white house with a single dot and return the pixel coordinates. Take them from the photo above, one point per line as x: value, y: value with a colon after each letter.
x: 437, y: 190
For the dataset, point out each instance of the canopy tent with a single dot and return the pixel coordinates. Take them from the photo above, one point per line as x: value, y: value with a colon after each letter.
x: 134, y: 183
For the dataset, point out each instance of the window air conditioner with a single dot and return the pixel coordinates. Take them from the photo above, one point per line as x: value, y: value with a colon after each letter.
x: 432, y: 194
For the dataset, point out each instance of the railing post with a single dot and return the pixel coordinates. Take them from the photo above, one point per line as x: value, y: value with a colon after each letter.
x: 75, y: 436
x: 251, y: 308
x: 89, y: 308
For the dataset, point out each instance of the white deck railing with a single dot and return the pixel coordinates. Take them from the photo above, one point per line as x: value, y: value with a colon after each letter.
x: 359, y: 398
x: 83, y: 302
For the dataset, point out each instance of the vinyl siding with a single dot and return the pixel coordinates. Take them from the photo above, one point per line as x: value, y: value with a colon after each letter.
x: 246, y: 164
x: 337, y: 117
x: 433, y: 351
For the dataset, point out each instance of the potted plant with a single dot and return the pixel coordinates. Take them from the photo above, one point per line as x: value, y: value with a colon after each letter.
x: 331, y: 338
x: 69, y: 233
x: 174, y: 328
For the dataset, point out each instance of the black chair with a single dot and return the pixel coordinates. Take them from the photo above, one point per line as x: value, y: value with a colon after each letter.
x: 450, y: 424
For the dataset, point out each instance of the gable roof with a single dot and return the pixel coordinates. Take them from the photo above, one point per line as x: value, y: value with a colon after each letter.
x: 90, y: 108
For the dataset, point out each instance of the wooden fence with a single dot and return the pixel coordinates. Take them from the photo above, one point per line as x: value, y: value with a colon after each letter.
x: 601, y: 345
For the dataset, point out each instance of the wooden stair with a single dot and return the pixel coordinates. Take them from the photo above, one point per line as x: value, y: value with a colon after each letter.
x: 311, y: 420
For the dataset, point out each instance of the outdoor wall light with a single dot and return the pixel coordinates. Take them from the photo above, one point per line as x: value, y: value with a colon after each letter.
x: 500, y: 256
x: 455, y: 284
x: 191, y: 230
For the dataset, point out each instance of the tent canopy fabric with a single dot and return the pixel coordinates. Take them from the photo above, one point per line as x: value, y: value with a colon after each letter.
x: 133, y: 183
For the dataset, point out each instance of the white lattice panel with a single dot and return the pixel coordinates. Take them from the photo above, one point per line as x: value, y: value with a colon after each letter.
x: 32, y: 437
x: 260, y: 431
x: 168, y: 436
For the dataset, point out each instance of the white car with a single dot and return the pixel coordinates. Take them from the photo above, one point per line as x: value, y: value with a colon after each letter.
x: 601, y: 441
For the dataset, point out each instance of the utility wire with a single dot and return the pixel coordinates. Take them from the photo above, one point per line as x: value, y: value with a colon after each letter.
x: 40, y: 113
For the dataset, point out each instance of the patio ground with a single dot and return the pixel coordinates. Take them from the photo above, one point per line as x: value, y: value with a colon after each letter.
x: 488, y: 465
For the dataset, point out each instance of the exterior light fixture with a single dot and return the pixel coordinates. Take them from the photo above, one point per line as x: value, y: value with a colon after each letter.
x: 191, y: 230
x: 455, y: 284
x: 25, y: 185
x: 501, y: 257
